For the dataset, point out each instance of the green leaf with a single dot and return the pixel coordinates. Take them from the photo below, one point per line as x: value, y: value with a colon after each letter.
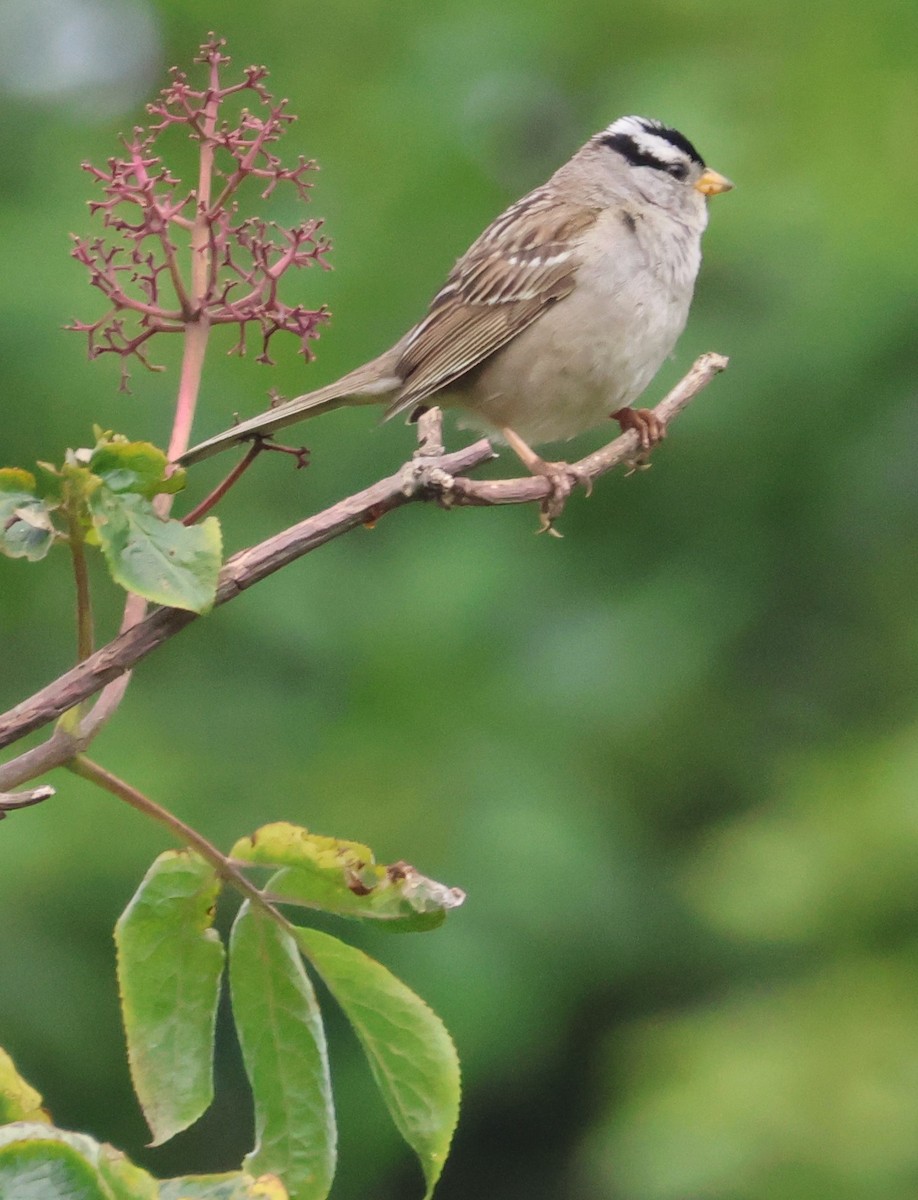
x: 164, y: 561
x: 38, y: 1162
x: 343, y: 877
x: 125, y: 1180
x: 170, y: 961
x: 236, y: 1185
x: 15, y: 479
x: 19, y: 1101
x: 33, y: 1170
x: 26, y: 530
x: 411, y: 1055
x: 283, y: 1047
x: 138, y: 467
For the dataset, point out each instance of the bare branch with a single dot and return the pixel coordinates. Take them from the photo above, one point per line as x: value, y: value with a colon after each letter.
x: 425, y: 477
x: 623, y: 449
x: 10, y: 801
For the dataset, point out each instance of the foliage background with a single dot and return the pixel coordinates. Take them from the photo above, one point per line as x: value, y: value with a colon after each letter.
x: 673, y: 757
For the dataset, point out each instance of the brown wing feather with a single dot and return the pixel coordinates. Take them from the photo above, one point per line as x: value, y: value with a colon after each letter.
x: 524, y: 261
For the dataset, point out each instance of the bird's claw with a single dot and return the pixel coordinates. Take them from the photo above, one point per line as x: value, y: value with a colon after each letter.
x: 641, y: 463
x: 562, y: 478
x: 646, y: 424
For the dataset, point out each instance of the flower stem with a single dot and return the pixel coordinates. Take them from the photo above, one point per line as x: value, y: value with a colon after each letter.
x: 197, y: 323
x: 196, y: 334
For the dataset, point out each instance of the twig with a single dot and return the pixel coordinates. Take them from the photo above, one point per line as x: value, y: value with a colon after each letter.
x: 240, y: 572
x: 10, y: 801
x: 222, y: 488
x: 424, y: 478
x: 623, y: 449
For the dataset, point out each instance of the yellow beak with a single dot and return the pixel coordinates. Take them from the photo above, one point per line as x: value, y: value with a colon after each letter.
x: 712, y: 182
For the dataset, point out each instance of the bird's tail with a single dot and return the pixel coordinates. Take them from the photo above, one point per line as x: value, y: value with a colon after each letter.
x: 365, y: 385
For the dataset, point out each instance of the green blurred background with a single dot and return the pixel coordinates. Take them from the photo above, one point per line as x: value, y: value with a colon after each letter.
x: 672, y: 758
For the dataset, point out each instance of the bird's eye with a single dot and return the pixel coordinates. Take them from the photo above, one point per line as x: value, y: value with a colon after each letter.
x: 678, y: 170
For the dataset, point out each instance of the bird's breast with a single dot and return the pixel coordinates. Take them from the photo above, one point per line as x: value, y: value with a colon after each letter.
x: 589, y: 354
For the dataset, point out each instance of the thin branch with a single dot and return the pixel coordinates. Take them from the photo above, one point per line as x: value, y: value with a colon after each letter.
x: 11, y: 801
x: 423, y: 478
x: 623, y: 449
x: 59, y: 748
x: 222, y: 488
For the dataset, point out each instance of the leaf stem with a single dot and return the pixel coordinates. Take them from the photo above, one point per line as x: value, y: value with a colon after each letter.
x: 86, y: 768
x: 70, y: 720
x: 85, y: 632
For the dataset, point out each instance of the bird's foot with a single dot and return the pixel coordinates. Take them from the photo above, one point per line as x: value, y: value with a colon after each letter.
x: 562, y: 478
x: 649, y: 428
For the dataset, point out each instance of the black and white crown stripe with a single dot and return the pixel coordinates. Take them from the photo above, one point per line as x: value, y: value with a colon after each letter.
x: 647, y: 143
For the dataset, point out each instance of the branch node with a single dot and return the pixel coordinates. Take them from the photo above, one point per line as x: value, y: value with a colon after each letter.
x: 424, y: 476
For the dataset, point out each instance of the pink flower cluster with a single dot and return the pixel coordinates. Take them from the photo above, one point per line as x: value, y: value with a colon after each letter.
x: 174, y: 257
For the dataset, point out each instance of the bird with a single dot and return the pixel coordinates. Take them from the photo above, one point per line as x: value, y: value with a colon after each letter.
x: 559, y: 314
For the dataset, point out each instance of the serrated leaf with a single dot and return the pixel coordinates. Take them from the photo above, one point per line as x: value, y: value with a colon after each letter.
x: 26, y: 530
x: 343, y: 877
x: 236, y: 1185
x: 281, y: 844
x: 138, y: 467
x: 125, y: 1180
x: 19, y: 1101
x: 170, y: 962
x: 411, y: 1054
x: 164, y: 561
x: 283, y: 1047
x: 385, y: 904
x: 39, y: 1162
x: 32, y: 1170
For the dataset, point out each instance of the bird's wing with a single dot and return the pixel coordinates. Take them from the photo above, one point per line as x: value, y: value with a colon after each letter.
x: 526, y: 260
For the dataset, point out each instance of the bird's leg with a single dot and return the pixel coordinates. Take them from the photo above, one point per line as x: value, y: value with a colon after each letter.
x: 560, y: 475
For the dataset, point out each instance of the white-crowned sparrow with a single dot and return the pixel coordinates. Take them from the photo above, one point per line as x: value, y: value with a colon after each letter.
x: 562, y: 311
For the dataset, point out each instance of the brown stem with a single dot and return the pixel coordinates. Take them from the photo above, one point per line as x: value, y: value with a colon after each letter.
x: 422, y: 479
x: 11, y: 801
x: 222, y: 488
x: 239, y: 573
